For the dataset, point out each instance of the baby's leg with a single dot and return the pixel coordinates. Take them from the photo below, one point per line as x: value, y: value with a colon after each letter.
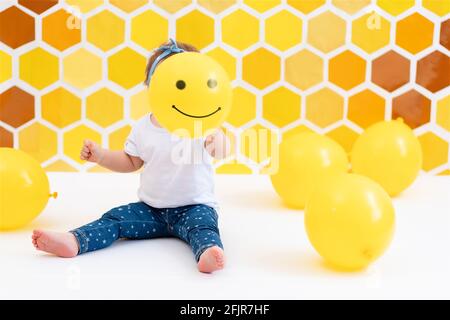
x: 198, y: 226
x: 132, y: 221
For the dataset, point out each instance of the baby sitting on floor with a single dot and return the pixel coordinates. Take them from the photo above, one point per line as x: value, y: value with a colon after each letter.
x: 176, y: 197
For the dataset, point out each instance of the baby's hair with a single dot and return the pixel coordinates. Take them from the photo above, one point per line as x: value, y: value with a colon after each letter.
x: 156, y: 53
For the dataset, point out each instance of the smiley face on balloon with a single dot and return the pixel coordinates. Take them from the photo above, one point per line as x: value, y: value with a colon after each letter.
x: 190, y: 94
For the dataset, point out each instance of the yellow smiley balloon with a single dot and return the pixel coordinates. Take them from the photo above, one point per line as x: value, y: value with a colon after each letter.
x: 190, y: 94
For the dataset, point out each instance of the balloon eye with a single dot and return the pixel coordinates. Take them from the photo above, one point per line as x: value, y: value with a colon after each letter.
x: 181, y: 84
x: 212, y: 83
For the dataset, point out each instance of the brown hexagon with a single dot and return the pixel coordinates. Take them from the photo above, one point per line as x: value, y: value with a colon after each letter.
x: 6, y: 138
x: 16, y: 107
x: 445, y: 34
x: 433, y: 71
x: 16, y: 27
x: 38, y: 6
x: 390, y: 71
x: 413, y: 107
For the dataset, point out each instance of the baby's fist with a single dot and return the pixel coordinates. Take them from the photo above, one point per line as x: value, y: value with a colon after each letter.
x: 91, y: 151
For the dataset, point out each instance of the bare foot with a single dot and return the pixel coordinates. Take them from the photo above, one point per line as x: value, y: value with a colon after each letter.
x: 62, y: 244
x: 211, y: 260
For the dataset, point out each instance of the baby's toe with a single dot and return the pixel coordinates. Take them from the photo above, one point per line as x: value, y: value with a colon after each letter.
x: 37, y: 233
x: 40, y: 244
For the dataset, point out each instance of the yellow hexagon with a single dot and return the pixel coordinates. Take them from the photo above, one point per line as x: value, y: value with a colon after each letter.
x: 347, y: 70
x: 244, y: 107
x: 104, y: 107
x: 227, y: 61
x: 38, y: 141
x: 216, y: 6
x: 306, y: 6
x: 73, y: 141
x: 443, y: 113
x: 126, y: 68
x: 196, y: 28
x: 85, y: 5
x: 371, y: 32
x: 231, y: 136
x: 366, y: 108
x: 61, y: 29
x: 60, y: 107
x: 344, y: 136
x: 434, y: 149
x: 395, y: 7
x: 261, y: 68
x: 82, y: 69
x: 439, y: 7
x: 172, y: 6
x: 262, y: 6
x: 128, y: 5
x: 5, y: 66
x: 311, y: 67
x: 139, y: 104
x: 58, y: 166
x: 257, y: 143
x: 281, y: 106
x: 233, y: 32
x: 283, y: 30
x: 326, y: 32
x: 296, y: 130
x: 324, y: 107
x: 117, y: 138
x: 351, y: 6
x: 105, y: 30
x: 233, y: 167
x: 414, y: 33
x: 39, y: 68
x: 149, y: 20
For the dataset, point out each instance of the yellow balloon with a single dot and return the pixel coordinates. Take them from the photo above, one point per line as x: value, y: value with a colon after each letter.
x: 350, y: 221
x: 389, y: 153
x: 190, y: 94
x: 24, y: 189
x: 304, y: 159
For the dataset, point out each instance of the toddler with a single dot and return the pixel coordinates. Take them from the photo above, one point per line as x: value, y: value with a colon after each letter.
x: 176, y: 196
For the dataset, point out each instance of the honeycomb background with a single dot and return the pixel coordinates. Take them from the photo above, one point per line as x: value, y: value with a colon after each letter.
x: 73, y: 69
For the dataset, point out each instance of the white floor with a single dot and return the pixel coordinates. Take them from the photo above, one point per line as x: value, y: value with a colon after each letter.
x: 269, y: 256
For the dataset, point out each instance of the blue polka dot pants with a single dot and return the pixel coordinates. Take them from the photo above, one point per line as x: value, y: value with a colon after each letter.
x: 194, y: 224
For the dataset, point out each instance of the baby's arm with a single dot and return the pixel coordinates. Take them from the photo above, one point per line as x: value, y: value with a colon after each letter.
x: 218, y: 145
x: 118, y: 161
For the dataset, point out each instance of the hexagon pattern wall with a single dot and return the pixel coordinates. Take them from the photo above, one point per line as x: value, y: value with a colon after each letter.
x: 73, y: 69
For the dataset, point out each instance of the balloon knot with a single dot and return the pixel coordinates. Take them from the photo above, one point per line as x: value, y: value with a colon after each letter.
x: 53, y: 195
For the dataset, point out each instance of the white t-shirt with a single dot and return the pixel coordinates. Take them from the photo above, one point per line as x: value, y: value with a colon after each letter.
x: 177, y: 171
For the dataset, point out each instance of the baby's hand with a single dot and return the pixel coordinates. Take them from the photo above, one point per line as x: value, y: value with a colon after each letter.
x: 91, y: 152
x: 209, y: 140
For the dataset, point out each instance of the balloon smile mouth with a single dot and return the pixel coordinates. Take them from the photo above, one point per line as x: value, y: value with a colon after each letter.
x: 195, y: 116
